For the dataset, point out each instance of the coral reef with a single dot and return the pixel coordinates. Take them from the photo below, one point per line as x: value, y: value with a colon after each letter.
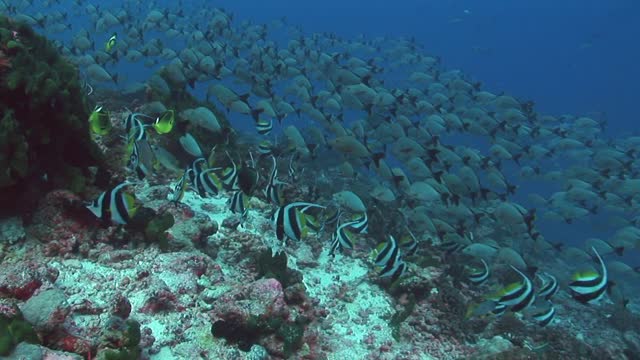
x: 44, y: 134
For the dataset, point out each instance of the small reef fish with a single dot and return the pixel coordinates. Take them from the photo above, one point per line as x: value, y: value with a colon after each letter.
x: 238, y: 203
x: 545, y: 316
x: 164, y: 123
x: 99, y: 121
x: 342, y: 239
x: 273, y: 191
x: 111, y: 43
x: 289, y: 222
x: 389, y: 259
x: 549, y: 286
x: 516, y: 296
x: 479, y: 276
x: 264, y: 127
x: 590, y: 286
x: 114, y: 205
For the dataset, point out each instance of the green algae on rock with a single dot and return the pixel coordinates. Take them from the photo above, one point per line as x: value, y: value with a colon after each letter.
x: 14, y: 331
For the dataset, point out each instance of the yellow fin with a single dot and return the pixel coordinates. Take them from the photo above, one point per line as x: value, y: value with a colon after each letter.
x: 130, y: 202
x: 585, y: 275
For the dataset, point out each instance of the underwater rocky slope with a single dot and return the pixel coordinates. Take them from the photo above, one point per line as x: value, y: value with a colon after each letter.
x: 143, y: 222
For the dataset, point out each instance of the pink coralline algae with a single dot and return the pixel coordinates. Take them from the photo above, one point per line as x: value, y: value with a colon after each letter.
x: 262, y: 298
x: 20, y: 280
x: 160, y: 300
x: 250, y: 314
x: 61, y: 223
x: 47, y: 310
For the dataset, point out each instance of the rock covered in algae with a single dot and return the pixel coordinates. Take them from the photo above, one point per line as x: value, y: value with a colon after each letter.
x: 44, y: 133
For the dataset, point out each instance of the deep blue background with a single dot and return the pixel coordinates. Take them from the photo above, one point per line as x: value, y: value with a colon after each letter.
x: 576, y: 57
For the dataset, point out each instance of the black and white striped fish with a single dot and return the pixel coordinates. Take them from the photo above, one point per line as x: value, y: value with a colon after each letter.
x: 264, y: 127
x: 273, y: 192
x: 180, y: 187
x: 288, y: 221
x: 590, y: 286
x: 342, y: 239
x: 291, y: 170
x: 549, y: 286
x: 114, y: 205
x: 238, y: 203
x: 229, y: 176
x: 390, y: 260
x: 517, y: 296
x: 360, y: 223
x: 141, y: 159
x: 545, y: 316
x: 479, y: 276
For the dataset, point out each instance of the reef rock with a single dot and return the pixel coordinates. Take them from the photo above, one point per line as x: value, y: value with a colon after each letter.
x: 44, y: 132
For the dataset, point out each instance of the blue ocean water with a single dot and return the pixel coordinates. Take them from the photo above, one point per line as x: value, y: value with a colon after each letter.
x: 577, y: 57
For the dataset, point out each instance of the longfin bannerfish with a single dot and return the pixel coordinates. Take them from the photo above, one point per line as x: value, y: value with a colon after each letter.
x: 481, y: 275
x: 264, y: 127
x: 590, y: 286
x: 238, y: 203
x: 333, y: 218
x: 265, y: 148
x: 311, y: 221
x: 194, y: 173
x: 360, y: 224
x: 394, y: 269
x: 545, y: 316
x: 288, y: 221
x: 409, y: 245
x: 451, y: 246
x: 390, y: 261
x: 549, y: 286
x: 141, y: 159
x: 388, y: 252
x: 229, y: 176
x: 114, y: 205
x: 134, y: 127
x: 341, y: 238
x: 499, y: 309
x: 208, y: 183
x: 517, y: 296
x: 291, y: 170
x: 273, y: 191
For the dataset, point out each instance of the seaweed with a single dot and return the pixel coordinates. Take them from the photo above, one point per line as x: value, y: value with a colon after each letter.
x: 121, y: 340
x: 156, y: 230
x: 247, y: 334
x: 14, y: 331
x: 292, y: 335
x: 153, y: 226
x: 400, y: 316
x: 275, y: 267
